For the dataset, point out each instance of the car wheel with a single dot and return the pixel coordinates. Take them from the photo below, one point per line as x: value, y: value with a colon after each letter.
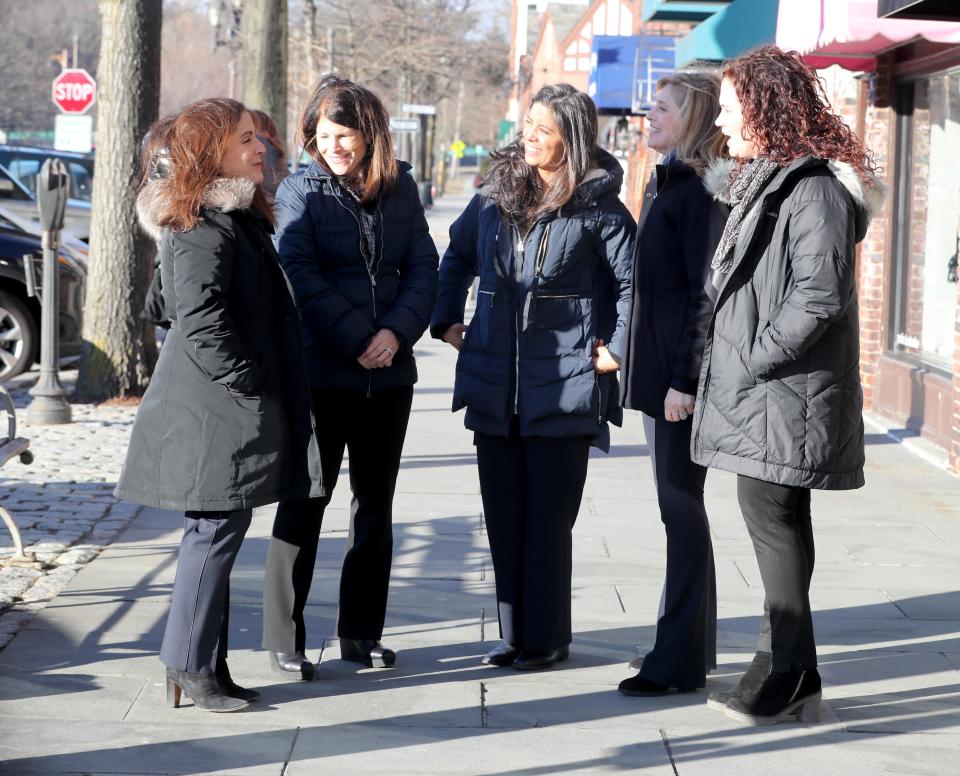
x: 18, y: 337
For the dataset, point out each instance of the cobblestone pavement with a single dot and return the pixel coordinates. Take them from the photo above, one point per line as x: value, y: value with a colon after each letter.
x: 62, y: 502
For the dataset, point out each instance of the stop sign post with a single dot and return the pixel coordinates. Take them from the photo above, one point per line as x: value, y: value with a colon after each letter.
x: 74, y: 91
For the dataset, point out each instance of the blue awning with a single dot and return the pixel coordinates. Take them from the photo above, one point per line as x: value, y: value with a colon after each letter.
x: 612, y: 62
x: 656, y: 58
x: 739, y: 26
x: 680, y: 10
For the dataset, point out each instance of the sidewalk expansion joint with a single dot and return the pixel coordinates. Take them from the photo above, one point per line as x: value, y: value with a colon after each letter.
x: 483, y: 705
x: 666, y: 745
x: 483, y: 623
x: 293, y: 743
x: 623, y: 608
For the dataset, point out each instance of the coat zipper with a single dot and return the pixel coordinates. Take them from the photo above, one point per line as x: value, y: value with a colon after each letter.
x: 518, y: 274
x: 370, y: 273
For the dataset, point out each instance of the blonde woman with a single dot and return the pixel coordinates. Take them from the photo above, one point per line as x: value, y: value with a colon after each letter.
x: 670, y: 311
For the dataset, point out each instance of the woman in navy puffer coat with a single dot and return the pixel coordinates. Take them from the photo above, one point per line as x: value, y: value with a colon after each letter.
x: 551, y: 244
x: 354, y: 243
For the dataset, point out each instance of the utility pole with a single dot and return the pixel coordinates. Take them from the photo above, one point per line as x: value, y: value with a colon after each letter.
x: 330, y: 35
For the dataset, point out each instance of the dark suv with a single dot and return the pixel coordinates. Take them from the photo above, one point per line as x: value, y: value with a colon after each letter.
x: 20, y: 314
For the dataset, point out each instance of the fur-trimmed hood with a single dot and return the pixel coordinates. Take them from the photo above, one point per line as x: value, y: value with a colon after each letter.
x: 223, y: 194
x: 868, y: 192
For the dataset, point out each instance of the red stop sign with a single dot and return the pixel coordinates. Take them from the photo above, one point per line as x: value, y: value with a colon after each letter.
x: 74, y: 91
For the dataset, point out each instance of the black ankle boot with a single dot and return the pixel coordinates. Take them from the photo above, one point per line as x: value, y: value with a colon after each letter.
x: 203, y: 689
x: 292, y: 664
x: 757, y: 671
x: 370, y: 652
x: 230, y: 687
x: 781, y: 695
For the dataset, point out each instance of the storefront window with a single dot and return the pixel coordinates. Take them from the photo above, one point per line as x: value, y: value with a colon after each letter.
x: 928, y: 276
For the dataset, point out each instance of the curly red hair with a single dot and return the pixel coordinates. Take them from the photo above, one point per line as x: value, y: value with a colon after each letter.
x: 786, y: 113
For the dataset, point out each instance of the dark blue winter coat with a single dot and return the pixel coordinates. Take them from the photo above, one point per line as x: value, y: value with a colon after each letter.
x: 529, y: 348
x: 342, y: 302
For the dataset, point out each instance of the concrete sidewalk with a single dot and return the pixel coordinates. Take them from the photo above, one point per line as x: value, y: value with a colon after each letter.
x: 81, y: 692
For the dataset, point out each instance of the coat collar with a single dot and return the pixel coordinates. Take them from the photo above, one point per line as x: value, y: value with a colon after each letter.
x: 223, y: 194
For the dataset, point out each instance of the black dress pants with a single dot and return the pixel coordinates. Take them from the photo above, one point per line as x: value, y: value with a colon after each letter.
x: 372, y: 430
x: 531, y: 489
x: 686, y: 643
x: 779, y: 524
x: 196, y: 633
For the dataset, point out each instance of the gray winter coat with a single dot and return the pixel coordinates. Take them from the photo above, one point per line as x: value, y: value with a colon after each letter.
x: 779, y: 396
x: 226, y: 422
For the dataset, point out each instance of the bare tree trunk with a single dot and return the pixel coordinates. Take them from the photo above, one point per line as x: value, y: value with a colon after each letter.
x: 265, y: 58
x: 113, y: 362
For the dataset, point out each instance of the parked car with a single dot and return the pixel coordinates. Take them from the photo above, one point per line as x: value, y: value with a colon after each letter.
x: 24, y: 162
x: 19, y: 313
x: 16, y: 197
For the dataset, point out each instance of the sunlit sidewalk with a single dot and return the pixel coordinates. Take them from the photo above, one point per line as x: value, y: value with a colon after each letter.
x: 80, y: 687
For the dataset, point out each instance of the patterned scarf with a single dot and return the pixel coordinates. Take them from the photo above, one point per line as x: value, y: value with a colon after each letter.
x: 744, y: 191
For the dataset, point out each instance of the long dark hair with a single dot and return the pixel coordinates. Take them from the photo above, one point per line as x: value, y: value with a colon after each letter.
x: 517, y: 188
x: 786, y: 111
x: 350, y: 105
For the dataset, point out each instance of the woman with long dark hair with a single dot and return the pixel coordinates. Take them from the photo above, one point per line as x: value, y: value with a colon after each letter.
x: 225, y: 424
x: 779, y: 400
x: 551, y: 242
x: 354, y: 242
x: 679, y: 231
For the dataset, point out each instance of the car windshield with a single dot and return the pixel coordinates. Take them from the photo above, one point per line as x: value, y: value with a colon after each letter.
x: 25, y: 165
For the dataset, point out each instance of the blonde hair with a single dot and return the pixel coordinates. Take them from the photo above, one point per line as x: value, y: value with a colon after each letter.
x: 697, y: 93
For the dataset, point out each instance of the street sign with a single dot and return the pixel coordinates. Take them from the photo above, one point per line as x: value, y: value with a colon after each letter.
x: 74, y: 91
x: 73, y: 133
x: 428, y: 110
x: 404, y: 125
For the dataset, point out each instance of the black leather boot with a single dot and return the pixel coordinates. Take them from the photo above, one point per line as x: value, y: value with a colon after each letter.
x: 537, y: 659
x: 370, y: 652
x: 292, y: 665
x: 501, y: 655
x: 203, y: 689
x: 782, y: 695
x: 757, y: 671
x: 230, y: 687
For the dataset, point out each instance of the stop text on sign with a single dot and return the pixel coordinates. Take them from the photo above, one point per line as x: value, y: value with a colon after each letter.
x: 74, y: 91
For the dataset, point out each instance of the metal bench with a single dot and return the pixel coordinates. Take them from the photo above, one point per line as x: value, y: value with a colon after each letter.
x: 12, y: 447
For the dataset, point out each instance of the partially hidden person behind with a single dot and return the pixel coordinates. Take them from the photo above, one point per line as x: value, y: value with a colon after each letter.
x: 779, y: 400
x: 680, y: 226
x: 225, y: 424
x: 551, y: 243
x: 354, y: 242
x: 274, y: 152
x: 155, y: 155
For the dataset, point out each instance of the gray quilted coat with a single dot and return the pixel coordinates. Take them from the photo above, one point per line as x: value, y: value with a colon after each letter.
x: 779, y: 396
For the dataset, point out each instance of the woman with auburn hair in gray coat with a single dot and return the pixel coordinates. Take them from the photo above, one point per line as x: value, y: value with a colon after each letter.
x: 225, y: 425
x: 779, y: 400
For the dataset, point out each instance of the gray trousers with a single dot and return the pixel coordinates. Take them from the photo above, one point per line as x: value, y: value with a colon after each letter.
x: 686, y: 643
x: 196, y: 633
x: 779, y: 524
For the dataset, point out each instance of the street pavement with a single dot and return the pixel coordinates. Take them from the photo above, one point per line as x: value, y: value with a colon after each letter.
x: 81, y: 687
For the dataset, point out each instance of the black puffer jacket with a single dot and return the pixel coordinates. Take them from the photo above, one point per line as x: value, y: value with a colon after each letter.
x: 779, y: 396
x: 342, y: 301
x: 226, y: 421
x: 529, y: 348
x: 670, y: 306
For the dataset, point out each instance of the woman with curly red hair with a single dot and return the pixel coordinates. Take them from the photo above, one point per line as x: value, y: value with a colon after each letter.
x: 779, y: 399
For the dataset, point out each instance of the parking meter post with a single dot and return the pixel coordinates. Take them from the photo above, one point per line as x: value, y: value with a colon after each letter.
x: 49, y: 405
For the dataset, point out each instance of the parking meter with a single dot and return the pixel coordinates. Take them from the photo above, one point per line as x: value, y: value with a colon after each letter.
x: 53, y: 188
x: 49, y: 405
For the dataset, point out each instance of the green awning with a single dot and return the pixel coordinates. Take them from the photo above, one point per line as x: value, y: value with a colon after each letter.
x: 729, y: 32
x: 680, y: 10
